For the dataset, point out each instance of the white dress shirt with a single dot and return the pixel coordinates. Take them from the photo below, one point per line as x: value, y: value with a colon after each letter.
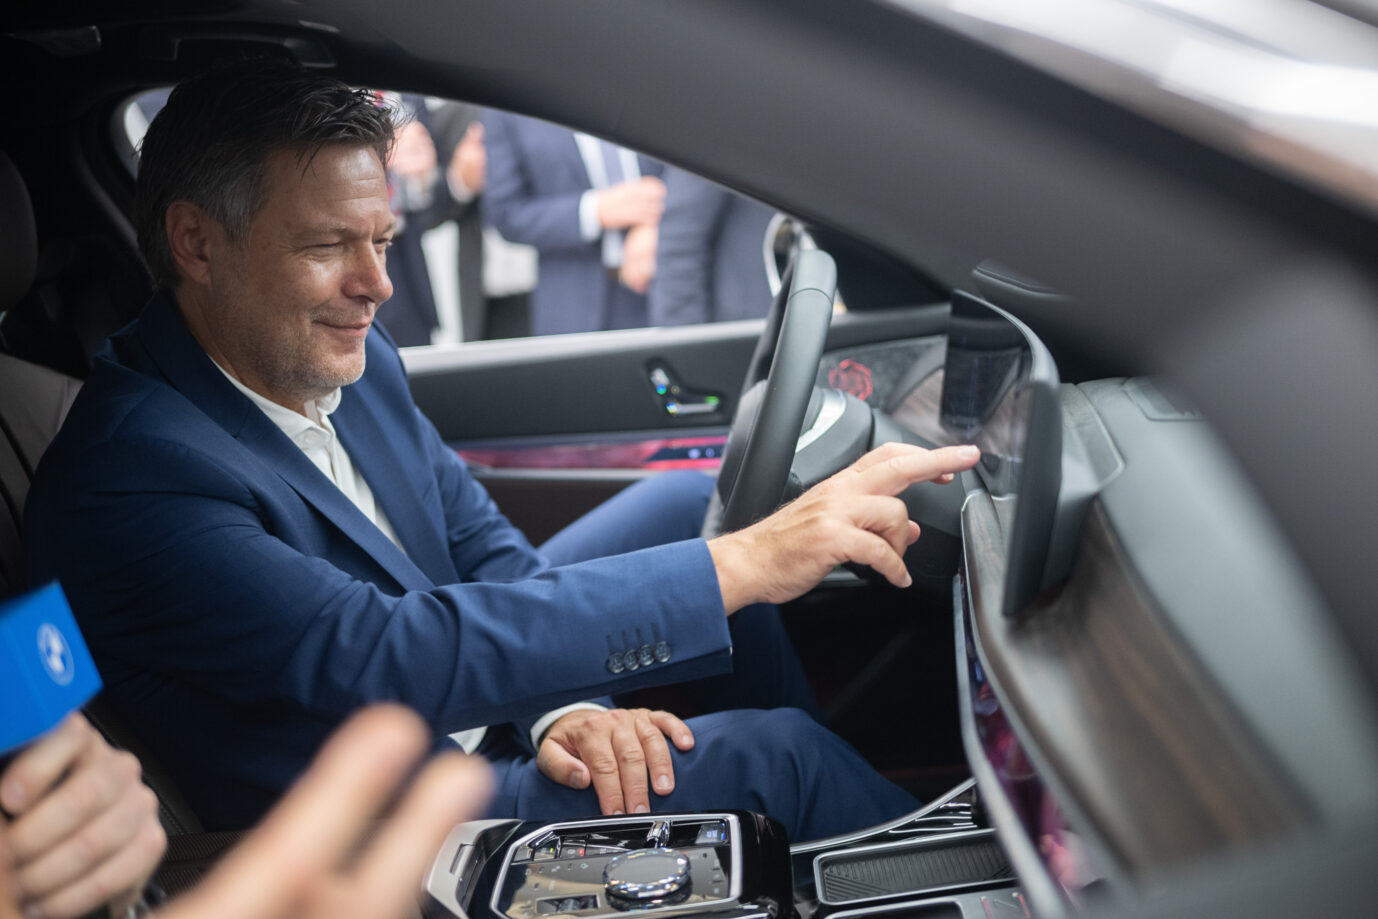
x: 591, y: 150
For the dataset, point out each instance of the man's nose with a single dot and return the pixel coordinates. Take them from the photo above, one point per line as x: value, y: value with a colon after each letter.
x: 368, y: 276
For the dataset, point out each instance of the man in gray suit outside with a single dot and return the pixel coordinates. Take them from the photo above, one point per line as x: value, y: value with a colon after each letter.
x: 709, y: 261
x: 578, y: 200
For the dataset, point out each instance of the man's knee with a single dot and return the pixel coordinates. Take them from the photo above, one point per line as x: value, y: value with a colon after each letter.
x: 683, y: 489
x: 788, y: 739
x: 676, y: 500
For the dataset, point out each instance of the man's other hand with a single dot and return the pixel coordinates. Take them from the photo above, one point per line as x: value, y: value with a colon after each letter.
x: 616, y: 750
x: 306, y: 861
x: 468, y: 167
x: 639, y: 257
x: 854, y: 516
x: 85, y: 828
x: 629, y: 203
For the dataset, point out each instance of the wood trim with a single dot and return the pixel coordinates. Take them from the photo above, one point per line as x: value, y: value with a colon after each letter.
x: 1127, y: 719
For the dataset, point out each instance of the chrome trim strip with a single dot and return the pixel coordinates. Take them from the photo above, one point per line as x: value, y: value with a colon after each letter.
x: 874, y: 832
x: 834, y: 404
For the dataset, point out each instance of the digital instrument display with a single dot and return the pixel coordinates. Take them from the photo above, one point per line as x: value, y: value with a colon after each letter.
x: 1000, y: 392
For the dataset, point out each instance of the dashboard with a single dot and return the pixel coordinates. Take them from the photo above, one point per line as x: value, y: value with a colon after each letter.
x: 1141, y: 669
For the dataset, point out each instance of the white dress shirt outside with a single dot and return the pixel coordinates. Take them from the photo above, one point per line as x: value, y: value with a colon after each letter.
x: 591, y: 150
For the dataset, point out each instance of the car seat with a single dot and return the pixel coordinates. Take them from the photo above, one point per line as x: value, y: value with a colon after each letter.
x: 33, y: 403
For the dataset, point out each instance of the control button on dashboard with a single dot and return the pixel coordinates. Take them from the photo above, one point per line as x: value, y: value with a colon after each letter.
x: 711, y: 834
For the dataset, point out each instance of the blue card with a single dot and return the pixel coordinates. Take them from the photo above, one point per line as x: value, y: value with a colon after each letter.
x: 45, y: 669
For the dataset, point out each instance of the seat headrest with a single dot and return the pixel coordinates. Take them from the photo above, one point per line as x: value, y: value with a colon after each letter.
x: 19, y: 254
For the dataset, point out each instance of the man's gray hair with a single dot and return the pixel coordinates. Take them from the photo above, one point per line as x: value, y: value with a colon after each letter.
x: 211, y: 142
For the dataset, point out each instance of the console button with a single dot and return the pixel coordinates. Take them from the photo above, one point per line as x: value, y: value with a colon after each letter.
x: 711, y: 834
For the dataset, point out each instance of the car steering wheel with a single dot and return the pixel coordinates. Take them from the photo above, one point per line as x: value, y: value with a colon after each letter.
x: 770, y: 414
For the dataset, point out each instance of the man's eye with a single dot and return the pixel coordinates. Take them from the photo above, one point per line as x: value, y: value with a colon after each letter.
x: 326, y: 246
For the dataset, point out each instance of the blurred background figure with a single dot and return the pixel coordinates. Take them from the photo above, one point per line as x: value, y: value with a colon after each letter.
x: 710, y: 264
x: 494, y: 276
x: 585, y: 204
x: 413, y: 174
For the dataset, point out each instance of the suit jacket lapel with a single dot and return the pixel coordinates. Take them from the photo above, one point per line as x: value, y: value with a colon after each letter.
x: 391, y: 473
x: 191, y: 372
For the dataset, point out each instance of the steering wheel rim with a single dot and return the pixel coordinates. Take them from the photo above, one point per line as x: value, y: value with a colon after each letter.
x: 761, y: 475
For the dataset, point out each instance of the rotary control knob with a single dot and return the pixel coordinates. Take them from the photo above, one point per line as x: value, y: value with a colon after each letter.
x: 649, y: 877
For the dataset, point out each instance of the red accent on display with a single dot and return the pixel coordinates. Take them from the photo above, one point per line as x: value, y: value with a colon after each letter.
x: 853, y: 377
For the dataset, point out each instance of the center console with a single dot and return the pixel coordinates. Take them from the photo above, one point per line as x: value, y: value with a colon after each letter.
x: 733, y: 865
x: 935, y: 864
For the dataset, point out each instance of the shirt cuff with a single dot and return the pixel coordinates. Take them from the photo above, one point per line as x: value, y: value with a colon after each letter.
x: 589, y: 227
x: 544, y: 722
x: 469, y: 740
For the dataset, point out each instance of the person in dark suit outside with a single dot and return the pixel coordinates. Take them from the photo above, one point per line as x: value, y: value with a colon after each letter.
x: 494, y: 296
x: 578, y: 200
x: 709, y: 261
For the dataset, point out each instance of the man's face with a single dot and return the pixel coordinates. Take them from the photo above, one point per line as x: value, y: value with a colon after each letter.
x: 288, y: 309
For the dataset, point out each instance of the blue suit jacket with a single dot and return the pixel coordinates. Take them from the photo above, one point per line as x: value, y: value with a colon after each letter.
x: 239, y: 606
x: 531, y: 195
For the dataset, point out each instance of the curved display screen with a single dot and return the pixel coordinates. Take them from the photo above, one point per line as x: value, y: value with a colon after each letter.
x: 1000, y: 392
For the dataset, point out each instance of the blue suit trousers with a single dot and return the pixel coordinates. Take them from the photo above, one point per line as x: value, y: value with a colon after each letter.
x: 762, y: 751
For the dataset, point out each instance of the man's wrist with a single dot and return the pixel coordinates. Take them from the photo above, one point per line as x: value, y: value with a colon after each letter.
x: 730, y: 561
x: 547, y: 721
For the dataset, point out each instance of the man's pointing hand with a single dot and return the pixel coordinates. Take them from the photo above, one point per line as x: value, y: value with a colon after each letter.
x: 854, y: 516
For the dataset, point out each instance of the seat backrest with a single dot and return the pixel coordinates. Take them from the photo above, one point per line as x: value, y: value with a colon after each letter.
x: 33, y: 404
x: 33, y: 400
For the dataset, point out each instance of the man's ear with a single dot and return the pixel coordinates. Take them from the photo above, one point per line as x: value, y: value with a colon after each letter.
x: 189, y: 232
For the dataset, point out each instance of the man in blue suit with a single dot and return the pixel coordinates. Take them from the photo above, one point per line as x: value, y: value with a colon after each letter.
x: 577, y: 200
x: 259, y: 532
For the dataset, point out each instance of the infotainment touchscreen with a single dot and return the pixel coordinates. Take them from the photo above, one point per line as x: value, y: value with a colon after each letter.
x: 1000, y: 392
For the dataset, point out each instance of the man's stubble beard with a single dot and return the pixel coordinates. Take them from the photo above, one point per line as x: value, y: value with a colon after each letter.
x: 290, y: 372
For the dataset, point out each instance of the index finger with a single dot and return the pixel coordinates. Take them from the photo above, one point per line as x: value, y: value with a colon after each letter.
x: 890, y: 471
x: 319, y: 821
x: 35, y: 771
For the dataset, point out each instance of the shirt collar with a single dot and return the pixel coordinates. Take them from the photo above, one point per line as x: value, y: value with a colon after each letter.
x: 292, y: 423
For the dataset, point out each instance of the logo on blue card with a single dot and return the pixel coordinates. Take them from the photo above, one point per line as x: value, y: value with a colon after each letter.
x: 55, y: 653
x: 46, y: 670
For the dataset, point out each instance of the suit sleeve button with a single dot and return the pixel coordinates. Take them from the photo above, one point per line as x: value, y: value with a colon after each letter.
x: 615, y: 663
x: 646, y: 655
x: 662, y: 651
x: 631, y: 660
